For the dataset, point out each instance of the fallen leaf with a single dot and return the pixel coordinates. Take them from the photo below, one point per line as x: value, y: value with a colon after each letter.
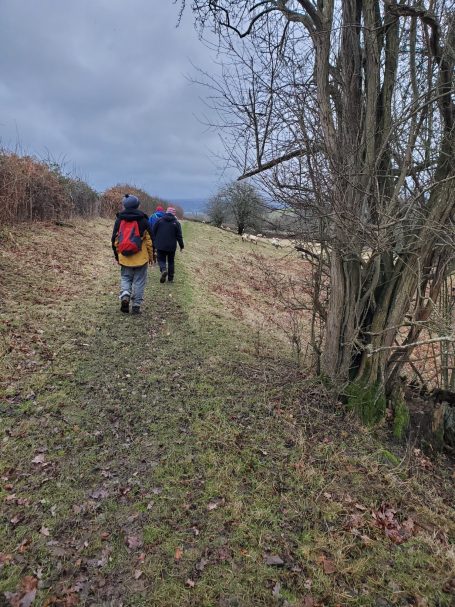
x: 104, y: 536
x: 355, y: 521
x: 178, y: 554
x: 44, y: 531
x: 202, y: 563
x: 276, y: 590
x: 307, y: 602
x: 5, y: 559
x: 99, y: 494
x: 190, y: 583
x: 16, y: 520
x: 328, y: 565
x: 223, y: 553
x: 133, y: 542
x: 360, y: 507
x: 273, y: 560
x: 102, y: 561
x: 395, y: 536
x: 409, y: 525
x: 137, y: 574
x: 23, y: 546
x: 38, y: 459
x: 26, y: 594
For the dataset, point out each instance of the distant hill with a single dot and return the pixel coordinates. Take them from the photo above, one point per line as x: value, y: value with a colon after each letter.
x: 191, y: 205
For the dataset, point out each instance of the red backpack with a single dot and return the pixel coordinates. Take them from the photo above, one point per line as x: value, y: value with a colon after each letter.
x: 129, y: 238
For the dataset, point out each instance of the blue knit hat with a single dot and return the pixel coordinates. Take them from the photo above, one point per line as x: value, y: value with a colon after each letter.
x: 130, y: 202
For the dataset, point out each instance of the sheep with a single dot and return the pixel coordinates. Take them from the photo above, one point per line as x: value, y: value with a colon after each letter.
x: 276, y: 243
x: 260, y: 236
x: 254, y: 239
x: 245, y: 237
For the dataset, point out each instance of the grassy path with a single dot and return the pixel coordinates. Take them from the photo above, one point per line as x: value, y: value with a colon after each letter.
x: 159, y: 461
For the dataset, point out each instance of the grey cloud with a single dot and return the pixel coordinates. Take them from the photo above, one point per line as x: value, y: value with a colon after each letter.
x: 102, y: 83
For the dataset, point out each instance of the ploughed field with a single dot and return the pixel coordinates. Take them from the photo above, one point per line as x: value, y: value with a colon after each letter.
x: 184, y: 457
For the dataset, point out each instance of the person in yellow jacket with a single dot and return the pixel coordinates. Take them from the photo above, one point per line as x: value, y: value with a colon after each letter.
x: 133, y: 250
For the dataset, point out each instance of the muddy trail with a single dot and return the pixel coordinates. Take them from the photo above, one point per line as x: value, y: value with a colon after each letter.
x: 170, y: 459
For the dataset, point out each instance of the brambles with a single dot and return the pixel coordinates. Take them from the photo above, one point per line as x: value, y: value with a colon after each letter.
x: 111, y: 200
x: 37, y: 190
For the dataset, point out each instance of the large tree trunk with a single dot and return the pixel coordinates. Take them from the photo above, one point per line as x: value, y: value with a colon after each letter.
x: 367, y: 309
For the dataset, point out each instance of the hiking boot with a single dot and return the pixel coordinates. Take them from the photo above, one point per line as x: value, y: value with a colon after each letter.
x: 136, y: 310
x: 170, y: 280
x: 163, y: 276
x: 125, y: 305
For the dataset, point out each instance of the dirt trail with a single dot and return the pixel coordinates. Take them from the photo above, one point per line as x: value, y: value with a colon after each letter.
x: 160, y: 461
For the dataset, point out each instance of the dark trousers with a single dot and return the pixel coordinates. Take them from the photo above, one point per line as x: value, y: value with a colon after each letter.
x: 163, y: 257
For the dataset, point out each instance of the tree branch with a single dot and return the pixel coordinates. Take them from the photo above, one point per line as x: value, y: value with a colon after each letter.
x: 445, y: 67
x: 269, y: 165
x: 370, y: 351
x: 247, y: 32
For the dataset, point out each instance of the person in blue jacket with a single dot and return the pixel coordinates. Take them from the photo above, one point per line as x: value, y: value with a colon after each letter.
x: 159, y: 212
x: 166, y: 233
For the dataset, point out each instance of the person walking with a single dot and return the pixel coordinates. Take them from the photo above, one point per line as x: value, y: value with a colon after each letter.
x: 132, y: 246
x: 159, y: 212
x: 166, y: 233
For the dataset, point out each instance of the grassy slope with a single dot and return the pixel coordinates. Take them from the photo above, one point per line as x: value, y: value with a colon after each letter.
x: 176, y: 453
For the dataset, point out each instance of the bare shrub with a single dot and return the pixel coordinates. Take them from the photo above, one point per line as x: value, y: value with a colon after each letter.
x: 29, y: 190
x: 32, y: 189
x: 111, y: 200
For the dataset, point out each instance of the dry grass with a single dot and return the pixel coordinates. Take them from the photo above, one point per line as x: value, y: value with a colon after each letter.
x: 44, y: 269
x: 244, y: 280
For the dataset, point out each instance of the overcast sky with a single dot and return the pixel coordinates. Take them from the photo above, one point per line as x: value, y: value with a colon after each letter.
x: 104, y: 85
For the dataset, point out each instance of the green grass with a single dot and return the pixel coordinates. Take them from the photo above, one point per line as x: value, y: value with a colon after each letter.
x: 209, y: 456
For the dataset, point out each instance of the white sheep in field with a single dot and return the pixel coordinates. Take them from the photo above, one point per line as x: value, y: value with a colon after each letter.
x: 254, y: 239
x: 228, y: 228
x: 260, y: 236
x: 276, y: 243
x: 245, y: 237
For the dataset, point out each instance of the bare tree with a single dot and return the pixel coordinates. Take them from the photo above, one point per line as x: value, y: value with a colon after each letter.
x: 240, y: 203
x: 245, y: 205
x: 216, y: 210
x: 345, y: 109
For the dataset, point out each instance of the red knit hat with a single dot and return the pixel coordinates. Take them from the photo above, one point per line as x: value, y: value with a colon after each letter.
x: 159, y: 209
